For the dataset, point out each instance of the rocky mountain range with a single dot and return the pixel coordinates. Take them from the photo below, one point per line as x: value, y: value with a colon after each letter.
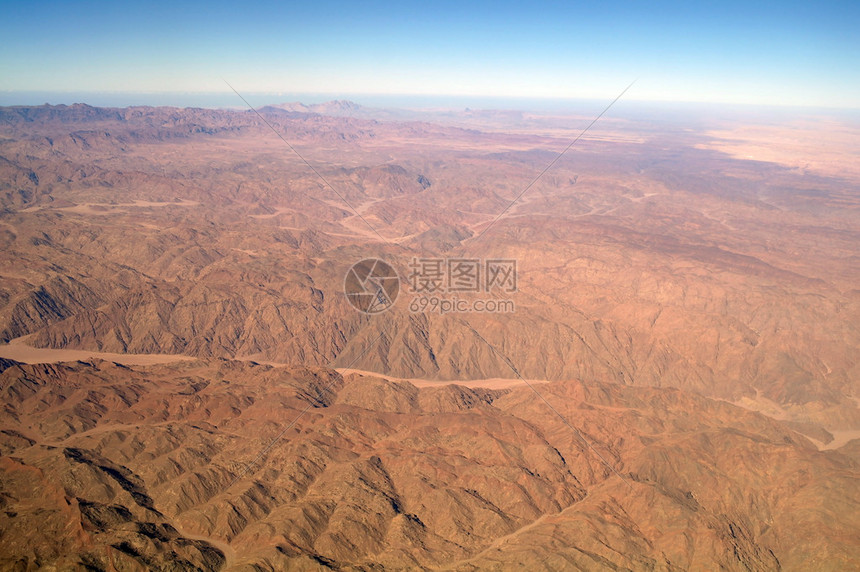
x: 686, y: 311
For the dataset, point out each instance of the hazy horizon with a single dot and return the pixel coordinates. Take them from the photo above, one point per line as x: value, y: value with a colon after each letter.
x: 405, y: 102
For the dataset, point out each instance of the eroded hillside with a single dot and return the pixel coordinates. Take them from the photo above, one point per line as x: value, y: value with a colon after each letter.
x: 694, y: 308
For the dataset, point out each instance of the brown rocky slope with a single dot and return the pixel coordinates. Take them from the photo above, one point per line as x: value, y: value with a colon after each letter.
x: 169, y: 467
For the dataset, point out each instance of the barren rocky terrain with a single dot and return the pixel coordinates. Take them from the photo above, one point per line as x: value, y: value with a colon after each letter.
x: 687, y: 311
x: 160, y: 466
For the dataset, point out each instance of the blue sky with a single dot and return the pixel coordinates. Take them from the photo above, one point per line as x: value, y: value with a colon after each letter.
x: 734, y: 52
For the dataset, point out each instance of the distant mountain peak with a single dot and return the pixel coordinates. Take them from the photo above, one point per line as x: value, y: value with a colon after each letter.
x: 337, y: 107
